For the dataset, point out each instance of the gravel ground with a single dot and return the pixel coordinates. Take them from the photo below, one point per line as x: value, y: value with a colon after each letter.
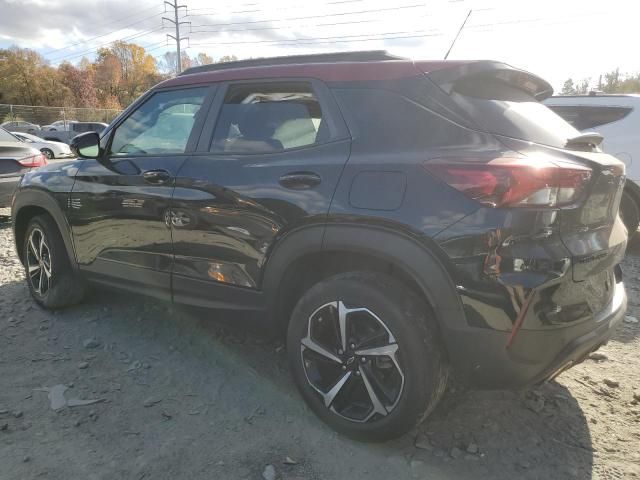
x: 174, y: 395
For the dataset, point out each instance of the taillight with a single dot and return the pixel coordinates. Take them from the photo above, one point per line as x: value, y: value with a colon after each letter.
x: 514, y: 182
x: 33, y: 161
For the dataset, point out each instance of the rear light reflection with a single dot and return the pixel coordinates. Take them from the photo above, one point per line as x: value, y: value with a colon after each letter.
x: 33, y: 161
x: 514, y: 182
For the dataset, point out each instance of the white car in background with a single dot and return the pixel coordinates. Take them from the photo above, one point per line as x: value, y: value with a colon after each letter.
x: 49, y: 149
x: 617, y: 119
x: 58, y: 125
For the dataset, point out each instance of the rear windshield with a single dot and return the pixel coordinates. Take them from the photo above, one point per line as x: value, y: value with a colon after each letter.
x: 499, y: 108
x: 585, y: 117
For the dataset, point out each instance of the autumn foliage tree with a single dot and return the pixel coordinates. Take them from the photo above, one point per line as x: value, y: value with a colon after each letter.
x: 118, y: 75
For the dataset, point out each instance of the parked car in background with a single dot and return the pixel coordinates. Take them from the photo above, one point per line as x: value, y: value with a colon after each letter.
x: 59, y: 125
x: 49, y: 148
x: 16, y: 159
x: 20, y: 126
x: 74, y: 129
x: 617, y: 119
x: 399, y: 219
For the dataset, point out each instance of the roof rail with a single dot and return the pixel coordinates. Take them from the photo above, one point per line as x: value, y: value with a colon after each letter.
x: 360, y: 56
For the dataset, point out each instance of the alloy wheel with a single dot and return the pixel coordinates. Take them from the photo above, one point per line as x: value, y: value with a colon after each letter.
x: 39, y: 262
x: 350, y: 358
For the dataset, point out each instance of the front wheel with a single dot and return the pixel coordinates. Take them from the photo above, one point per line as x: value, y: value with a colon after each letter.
x: 51, y: 279
x: 365, y: 355
x: 48, y: 153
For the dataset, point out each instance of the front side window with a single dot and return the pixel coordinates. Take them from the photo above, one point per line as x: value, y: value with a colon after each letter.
x: 266, y: 118
x: 161, y: 125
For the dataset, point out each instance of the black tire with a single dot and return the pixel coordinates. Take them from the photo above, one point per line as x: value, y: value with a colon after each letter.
x: 630, y: 212
x: 64, y: 287
x: 410, y: 326
x: 48, y: 153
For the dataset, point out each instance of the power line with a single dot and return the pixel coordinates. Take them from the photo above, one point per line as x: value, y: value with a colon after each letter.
x: 321, y: 40
x: 349, y: 22
x: 270, y: 9
x: 86, y: 40
x: 97, y: 47
x: 420, y: 5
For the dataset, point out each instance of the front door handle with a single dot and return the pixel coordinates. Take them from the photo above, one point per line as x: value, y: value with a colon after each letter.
x: 300, y: 180
x: 156, y: 177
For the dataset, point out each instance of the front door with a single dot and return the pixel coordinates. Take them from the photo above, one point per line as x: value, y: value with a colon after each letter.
x: 268, y: 161
x: 119, y: 204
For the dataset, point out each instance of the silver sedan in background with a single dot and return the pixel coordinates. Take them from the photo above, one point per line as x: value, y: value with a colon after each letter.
x: 49, y: 148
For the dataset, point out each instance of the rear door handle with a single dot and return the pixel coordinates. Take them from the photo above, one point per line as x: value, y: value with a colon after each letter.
x: 300, y: 180
x: 156, y: 177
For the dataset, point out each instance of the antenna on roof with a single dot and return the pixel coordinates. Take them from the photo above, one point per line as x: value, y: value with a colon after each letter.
x: 458, y: 34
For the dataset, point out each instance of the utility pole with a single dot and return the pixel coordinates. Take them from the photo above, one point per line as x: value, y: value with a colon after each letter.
x: 176, y: 22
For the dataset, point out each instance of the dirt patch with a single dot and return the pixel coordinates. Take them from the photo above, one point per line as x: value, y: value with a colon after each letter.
x: 174, y: 395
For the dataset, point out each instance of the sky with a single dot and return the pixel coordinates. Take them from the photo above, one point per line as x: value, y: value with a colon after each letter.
x: 555, y: 39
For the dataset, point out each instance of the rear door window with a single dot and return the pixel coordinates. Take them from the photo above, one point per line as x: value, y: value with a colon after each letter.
x: 271, y: 117
x: 585, y: 117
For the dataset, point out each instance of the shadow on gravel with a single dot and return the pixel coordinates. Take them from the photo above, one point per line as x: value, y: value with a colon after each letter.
x: 541, y: 433
x: 198, y: 394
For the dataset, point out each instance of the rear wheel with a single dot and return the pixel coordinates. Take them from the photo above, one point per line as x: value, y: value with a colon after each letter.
x: 51, y: 279
x: 365, y: 356
x: 630, y: 212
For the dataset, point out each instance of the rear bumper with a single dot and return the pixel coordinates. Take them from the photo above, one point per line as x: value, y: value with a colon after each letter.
x: 481, y: 358
x: 8, y: 185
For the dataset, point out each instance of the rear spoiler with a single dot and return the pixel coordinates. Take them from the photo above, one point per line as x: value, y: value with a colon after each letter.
x: 446, y: 78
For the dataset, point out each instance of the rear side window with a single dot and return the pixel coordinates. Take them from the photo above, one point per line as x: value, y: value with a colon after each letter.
x: 161, y: 125
x: 498, y: 107
x: 585, y: 117
x: 266, y: 118
x: 385, y: 121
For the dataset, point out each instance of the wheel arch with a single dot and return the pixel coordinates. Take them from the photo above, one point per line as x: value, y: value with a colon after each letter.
x: 356, y: 247
x: 29, y: 203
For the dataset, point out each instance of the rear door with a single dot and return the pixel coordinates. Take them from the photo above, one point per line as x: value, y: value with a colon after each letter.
x: 268, y: 161
x: 120, y: 203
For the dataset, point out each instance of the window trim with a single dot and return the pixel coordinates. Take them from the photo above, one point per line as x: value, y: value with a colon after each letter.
x: 109, y: 131
x: 337, y: 128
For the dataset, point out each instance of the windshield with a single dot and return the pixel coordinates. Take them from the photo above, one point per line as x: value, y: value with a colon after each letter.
x: 502, y: 109
x: 7, y: 137
x: 28, y: 136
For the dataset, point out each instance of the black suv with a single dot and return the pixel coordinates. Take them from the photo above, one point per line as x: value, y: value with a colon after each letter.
x: 402, y: 220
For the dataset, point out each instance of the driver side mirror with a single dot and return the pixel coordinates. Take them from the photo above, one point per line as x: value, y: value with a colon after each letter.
x: 86, y: 145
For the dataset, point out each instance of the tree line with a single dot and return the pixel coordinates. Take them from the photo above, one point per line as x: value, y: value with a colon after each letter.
x: 118, y: 75
x: 609, y: 82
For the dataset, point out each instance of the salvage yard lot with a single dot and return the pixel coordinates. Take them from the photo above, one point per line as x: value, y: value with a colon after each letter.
x: 174, y: 395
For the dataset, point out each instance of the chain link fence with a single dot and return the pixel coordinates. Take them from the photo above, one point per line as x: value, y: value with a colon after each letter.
x: 47, y: 115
